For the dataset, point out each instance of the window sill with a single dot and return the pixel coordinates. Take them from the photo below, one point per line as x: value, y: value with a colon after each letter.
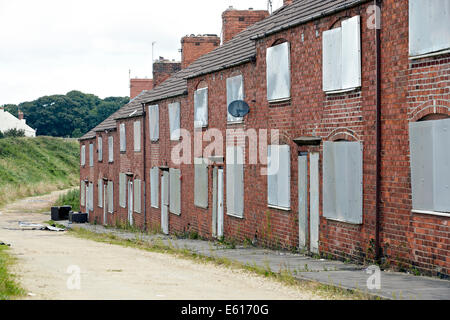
x: 279, y: 208
x: 230, y: 123
x: 235, y: 216
x: 433, y: 213
x: 177, y: 214
x: 342, y: 91
x: 432, y: 54
x: 202, y: 207
x: 344, y: 221
x: 154, y: 207
x: 284, y: 101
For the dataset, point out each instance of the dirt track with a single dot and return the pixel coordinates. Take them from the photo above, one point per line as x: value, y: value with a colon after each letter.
x: 115, y: 272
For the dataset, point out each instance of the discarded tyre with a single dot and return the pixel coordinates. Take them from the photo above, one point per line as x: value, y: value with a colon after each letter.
x: 78, y: 217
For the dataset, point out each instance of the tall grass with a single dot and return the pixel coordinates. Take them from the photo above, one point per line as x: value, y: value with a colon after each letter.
x: 71, y: 198
x: 32, y: 166
x: 9, y: 288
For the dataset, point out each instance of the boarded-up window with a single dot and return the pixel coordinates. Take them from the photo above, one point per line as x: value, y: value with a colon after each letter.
x: 429, y: 25
x: 342, y: 181
x: 83, y: 155
x: 235, y: 91
x: 153, y: 118
x: 123, y: 138
x: 122, y: 190
x: 201, y: 108
x: 83, y: 193
x: 100, y: 193
x: 111, y: 149
x: 175, y: 191
x: 235, y: 181
x: 154, y: 187
x: 91, y: 155
x: 137, y: 195
x: 174, y: 121
x: 137, y: 136
x: 341, y: 61
x: 430, y: 165
x: 279, y: 176
x: 278, y: 72
x: 91, y: 196
x: 100, y: 148
x: 110, y: 197
x: 200, y: 183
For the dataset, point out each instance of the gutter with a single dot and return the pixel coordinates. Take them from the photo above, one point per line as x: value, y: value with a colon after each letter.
x: 378, y: 3
x: 144, y: 131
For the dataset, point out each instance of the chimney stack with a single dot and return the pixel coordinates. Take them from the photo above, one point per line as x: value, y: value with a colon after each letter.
x: 286, y: 2
x: 20, y: 115
x: 193, y: 47
x: 163, y: 69
x: 234, y: 21
x: 139, y: 85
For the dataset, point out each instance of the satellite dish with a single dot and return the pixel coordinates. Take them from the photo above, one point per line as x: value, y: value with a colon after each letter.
x: 238, y: 108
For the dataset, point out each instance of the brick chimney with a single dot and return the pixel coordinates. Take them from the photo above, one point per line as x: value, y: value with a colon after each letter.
x: 286, y: 2
x: 193, y: 47
x: 138, y: 85
x: 163, y: 69
x: 235, y: 21
x: 20, y: 113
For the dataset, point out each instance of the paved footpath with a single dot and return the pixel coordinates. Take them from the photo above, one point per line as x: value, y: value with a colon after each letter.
x: 394, y: 285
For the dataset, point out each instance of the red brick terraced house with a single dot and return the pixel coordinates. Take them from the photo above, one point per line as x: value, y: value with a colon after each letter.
x: 352, y: 123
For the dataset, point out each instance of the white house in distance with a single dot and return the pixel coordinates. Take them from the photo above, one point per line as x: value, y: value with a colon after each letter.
x: 8, y: 121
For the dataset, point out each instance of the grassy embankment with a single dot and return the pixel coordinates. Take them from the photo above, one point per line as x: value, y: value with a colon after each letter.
x: 34, y: 166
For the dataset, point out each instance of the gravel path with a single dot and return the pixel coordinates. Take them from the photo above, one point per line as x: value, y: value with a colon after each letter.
x: 115, y: 272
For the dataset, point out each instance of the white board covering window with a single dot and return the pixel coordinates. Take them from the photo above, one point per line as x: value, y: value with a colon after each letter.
x: 100, y: 148
x: 154, y: 187
x: 111, y: 149
x: 200, y: 183
x: 137, y: 136
x: 201, y: 108
x: 83, y: 155
x: 278, y: 72
x: 110, y: 197
x: 91, y: 155
x: 174, y: 121
x: 341, y: 56
x: 430, y: 165
x: 342, y: 181
x: 429, y: 26
x: 123, y: 138
x: 279, y: 176
x: 122, y: 190
x: 137, y: 195
x: 100, y: 193
x: 235, y: 181
x: 83, y: 193
x: 153, y: 118
x: 175, y: 191
x: 235, y: 91
x: 91, y: 196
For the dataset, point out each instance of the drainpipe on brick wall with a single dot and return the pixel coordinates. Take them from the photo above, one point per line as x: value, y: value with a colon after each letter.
x: 144, y: 167
x: 378, y: 134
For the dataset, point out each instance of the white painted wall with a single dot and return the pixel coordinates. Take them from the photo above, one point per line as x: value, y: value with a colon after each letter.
x: 8, y: 121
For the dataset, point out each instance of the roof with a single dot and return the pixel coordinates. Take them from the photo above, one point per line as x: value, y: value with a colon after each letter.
x: 239, y: 50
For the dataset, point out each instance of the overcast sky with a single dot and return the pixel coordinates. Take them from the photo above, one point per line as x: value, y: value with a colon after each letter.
x: 55, y: 46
